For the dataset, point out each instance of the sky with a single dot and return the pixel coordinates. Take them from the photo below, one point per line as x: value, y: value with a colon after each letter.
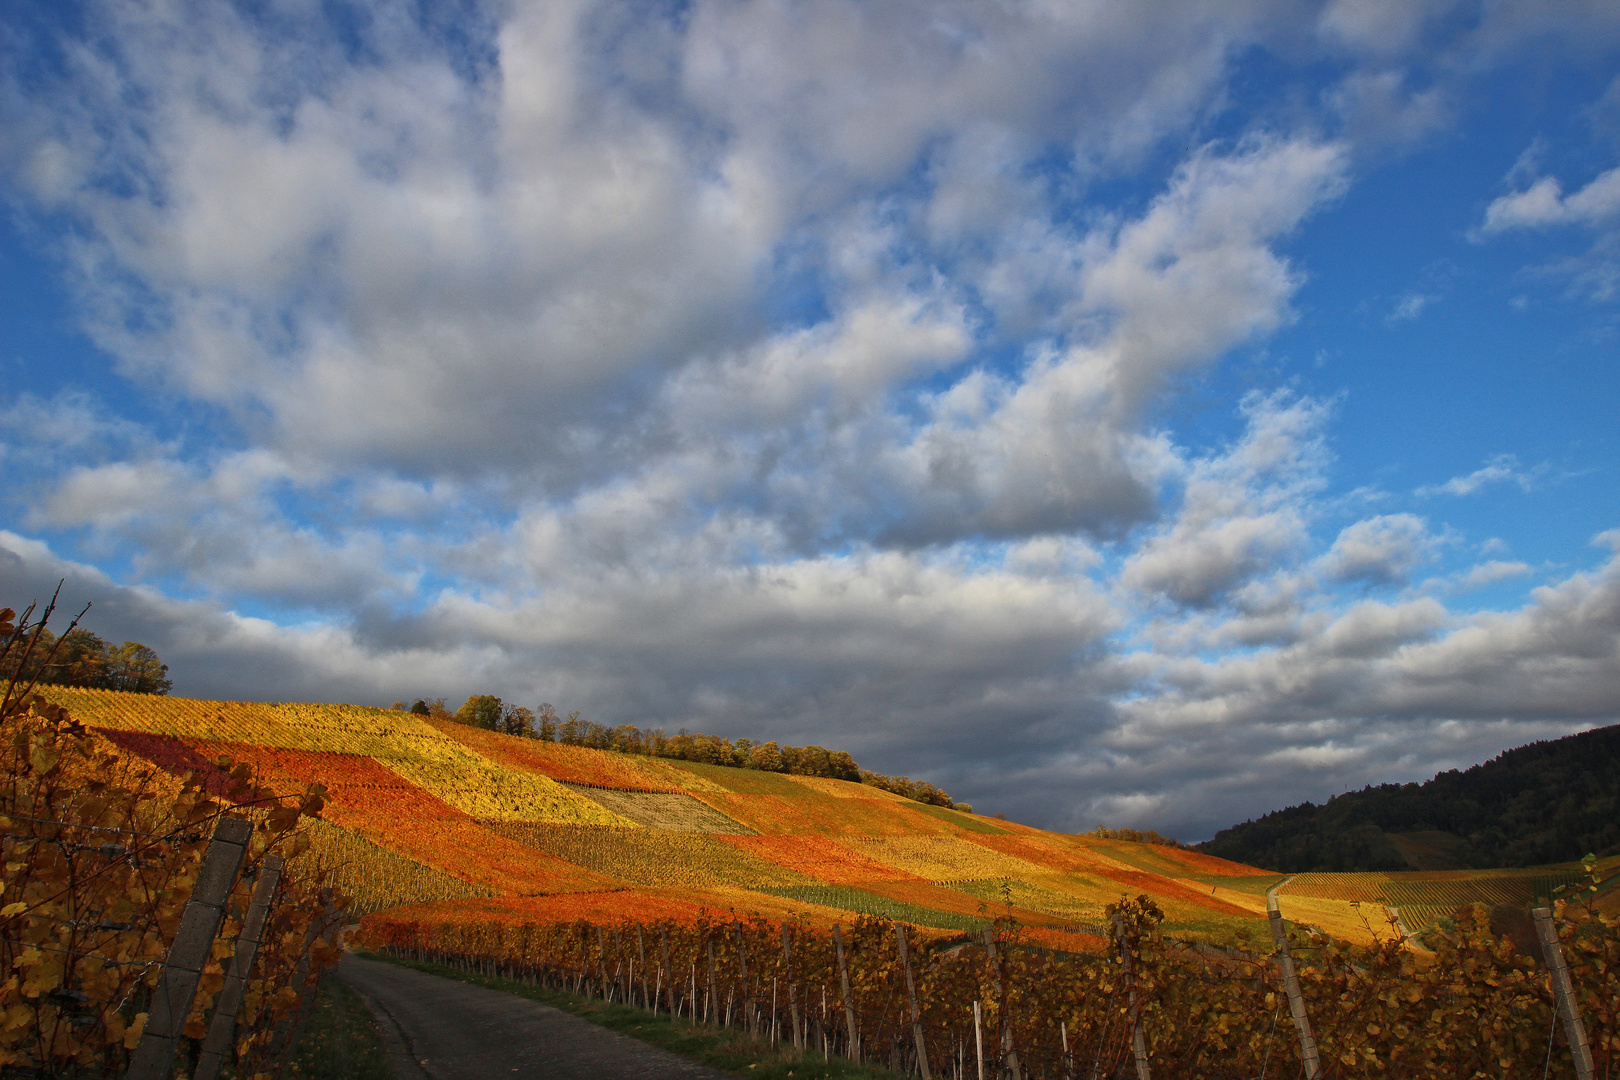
x: 1134, y: 413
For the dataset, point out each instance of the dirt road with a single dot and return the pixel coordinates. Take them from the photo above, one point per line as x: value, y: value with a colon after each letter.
x: 440, y: 1029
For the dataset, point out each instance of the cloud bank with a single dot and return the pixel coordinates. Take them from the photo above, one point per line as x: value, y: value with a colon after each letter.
x: 790, y: 370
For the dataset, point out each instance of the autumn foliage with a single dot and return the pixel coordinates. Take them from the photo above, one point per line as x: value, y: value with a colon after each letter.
x: 1478, y: 1007
x: 101, y: 852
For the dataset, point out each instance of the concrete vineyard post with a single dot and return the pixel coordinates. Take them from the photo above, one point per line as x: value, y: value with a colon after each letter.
x: 1296, y: 999
x: 222, y: 1029
x: 1574, y: 1027
x: 193, y: 942
x: 1138, y: 1047
x: 849, y: 1005
x: 911, y: 997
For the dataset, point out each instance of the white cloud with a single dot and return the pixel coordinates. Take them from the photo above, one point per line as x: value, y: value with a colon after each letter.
x: 1489, y: 573
x: 1380, y: 550
x: 1410, y: 306
x: 1242, y: 511
x: 782, y: 369
x: 1501, y: 469
x: 1544, y: 203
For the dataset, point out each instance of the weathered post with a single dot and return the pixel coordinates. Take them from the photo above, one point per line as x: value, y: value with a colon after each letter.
x: 669, y: 972
x: 641, y: 954
x: 222, y: 1028
x: 1296, y: 999
x: 1010, y: 1066
x: 1138, y: 1048
x: 793, y: 995
x: 747, y: 991
x: 849, y: 1004
x: 1564, y: 991
x: 713, y: 1004
x: 978, y: 1040
x: 911, y: 996
x: 189, y: 952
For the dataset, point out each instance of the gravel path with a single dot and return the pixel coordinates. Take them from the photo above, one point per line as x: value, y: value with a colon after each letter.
x: 441, y: 1029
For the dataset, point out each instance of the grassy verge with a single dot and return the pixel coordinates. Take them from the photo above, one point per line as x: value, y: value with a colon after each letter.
x: 340, y: 1041
x: 729, y: 1049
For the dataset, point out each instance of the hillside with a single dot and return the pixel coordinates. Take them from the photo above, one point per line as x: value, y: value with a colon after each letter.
x: 1544, y: 803
x: 458, y: 824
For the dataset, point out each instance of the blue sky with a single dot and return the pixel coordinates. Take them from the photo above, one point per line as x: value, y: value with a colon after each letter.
x: 1149, y: 414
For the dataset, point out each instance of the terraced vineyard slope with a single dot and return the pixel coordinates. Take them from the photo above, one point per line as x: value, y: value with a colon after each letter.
x: 472, y: 825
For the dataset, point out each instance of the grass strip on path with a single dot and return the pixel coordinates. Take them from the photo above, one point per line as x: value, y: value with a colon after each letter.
x: 730, y: 1049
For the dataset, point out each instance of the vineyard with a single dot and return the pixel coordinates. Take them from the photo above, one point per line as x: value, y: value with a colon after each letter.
x: 437, y: 813
x: 479, y: 848
x: 149, y: 921
x: 985, y: 1002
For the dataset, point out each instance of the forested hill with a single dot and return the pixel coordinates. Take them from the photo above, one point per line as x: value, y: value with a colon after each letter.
x: 1546, y: 802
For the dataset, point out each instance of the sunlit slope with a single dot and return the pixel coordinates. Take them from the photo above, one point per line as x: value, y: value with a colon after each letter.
x: 467, y: 820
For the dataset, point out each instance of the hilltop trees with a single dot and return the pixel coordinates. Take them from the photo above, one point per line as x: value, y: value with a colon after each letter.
x: 491, y: 713
x: 81, y: 658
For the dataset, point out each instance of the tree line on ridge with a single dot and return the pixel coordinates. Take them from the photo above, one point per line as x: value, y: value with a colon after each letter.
x: 492, y: 714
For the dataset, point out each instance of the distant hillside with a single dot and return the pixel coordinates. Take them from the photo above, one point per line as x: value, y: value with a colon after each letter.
x: 1543, y: 803
x: 454, y: 822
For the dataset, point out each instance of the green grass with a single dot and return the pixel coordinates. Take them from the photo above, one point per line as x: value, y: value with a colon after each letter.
x: 340, y: 1041
x: 730, y: 1049
x: 956, y: 817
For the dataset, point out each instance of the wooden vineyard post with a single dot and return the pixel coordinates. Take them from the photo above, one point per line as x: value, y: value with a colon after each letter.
x: 749, y: 1011
x: 641, y: 954
x: 1009, y: 1056
x: 669, y: 972
x: 190, y: 951
x: 1574, y: 1026
x: 601, y: 963
x: 222, y: 1028
x: 978, y: 1039
x: 714, y: 994
x: 849, y: 1005
x: 793, y: 994
x: 1138, y: 1048
x: 584, y: 960
x: 911, y: 996
x: 1296, y: 999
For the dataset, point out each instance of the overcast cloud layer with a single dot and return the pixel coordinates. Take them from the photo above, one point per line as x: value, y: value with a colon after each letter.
x: 826, y: 372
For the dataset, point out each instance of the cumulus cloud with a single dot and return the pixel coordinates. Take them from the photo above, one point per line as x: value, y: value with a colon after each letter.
x: 1381, y: 550
x: 790, y: 370
x: 1544, y: 203
x: 1242, y: 511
